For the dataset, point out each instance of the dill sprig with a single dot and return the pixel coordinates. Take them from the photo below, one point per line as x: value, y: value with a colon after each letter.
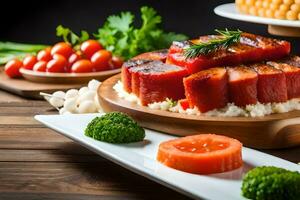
x: 227, y: 38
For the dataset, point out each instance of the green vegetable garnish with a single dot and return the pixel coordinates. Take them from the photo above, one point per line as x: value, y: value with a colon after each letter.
x: 227, y: 38
x: 115, y: 127
x: 70, y: 37
x: 11, y: 50
x: 120, y: 36
x: 271, y: 183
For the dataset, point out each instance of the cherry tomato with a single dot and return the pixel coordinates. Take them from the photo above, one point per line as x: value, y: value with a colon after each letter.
x: 12, y: 68
x: 44, y: 55
x: 101, y: 60
x: 72, y: 59
x: 90, y: 47
x: 40, y: 66
x: 63, y: 49
x: 117, y: 62
x: 57, y: 64
x: 82, y: 66
x: 29, y: 62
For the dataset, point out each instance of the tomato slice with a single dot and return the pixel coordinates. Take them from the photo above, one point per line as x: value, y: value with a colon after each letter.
x: 201, y: 154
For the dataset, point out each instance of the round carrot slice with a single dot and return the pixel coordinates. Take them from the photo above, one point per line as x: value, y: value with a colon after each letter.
x: 201, y: 154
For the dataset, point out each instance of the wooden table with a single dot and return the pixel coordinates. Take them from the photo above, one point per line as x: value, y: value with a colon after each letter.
x: 38, y: 163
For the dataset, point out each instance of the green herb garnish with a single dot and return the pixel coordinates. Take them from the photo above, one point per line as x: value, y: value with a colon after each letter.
x: 269, y: 182
x: 70, y: 37
x: 11, y: 50
x: 115, y: 127
x: 120, y: 36
x: 227, y: 38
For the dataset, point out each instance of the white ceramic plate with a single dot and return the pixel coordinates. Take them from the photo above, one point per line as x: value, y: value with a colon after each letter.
x: 141, y: 158
x: 229, y: 11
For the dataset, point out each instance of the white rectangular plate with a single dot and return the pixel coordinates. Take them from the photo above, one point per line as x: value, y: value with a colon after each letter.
x: 141, y: 158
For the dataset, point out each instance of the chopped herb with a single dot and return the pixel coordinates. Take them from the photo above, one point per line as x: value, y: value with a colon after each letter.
x: 227, y: 38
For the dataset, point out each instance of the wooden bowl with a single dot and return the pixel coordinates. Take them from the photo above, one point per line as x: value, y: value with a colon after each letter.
x: 66, y: 78
x: 269, y: 132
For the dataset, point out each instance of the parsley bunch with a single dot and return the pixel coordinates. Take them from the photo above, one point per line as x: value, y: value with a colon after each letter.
x: 120, y: 36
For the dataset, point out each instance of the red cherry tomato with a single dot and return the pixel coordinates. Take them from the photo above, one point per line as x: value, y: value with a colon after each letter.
x: 57, y: 64
x: 40, y: 66
x: 44, y: 55
x: 90, y: 47
x: 117, y: 62
x: 101, y: 60
x: 12, y: 68
x: 63, y: 49
x: 82, y: 66
x: 72, y: 59
x: 29, y: 62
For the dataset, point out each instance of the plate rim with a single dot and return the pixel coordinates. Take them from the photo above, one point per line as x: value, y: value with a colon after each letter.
x: 67, y: 75
x: 219, y: 10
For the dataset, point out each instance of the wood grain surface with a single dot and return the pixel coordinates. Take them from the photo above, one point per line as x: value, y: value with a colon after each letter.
x: 38, y: 163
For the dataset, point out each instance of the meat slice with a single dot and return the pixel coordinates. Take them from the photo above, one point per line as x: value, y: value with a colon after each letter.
x: 207, y: 89
x: 271, y: 85
x: 242, y: 85
x: 126, y: 74
x: 292, y: 60
x: 158, y: 81
x: 251, y: 48
x: 153, y: 55
x: 292, y: 75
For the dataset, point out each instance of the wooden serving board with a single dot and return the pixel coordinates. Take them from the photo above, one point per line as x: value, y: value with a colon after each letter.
x: 269, y: 132
x: 29, y: 89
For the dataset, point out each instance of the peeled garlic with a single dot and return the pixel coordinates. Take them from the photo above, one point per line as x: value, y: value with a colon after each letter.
x: 93, y: 85
x: 89, y: 95
x: 56, y: 102
x: 59, y: 94
x: 71, y: 93
x: 83, y: 90
x: 87, y: 107
x: 70, y: 104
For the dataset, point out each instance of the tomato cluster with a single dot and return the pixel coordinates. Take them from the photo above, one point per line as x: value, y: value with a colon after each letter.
x: 62, y: 58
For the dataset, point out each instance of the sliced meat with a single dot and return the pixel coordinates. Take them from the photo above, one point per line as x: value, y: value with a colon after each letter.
x: 135, y: 75
x: 126, y: 74
x: 292, y: 60
x: 271, y: 85
x: 251, y: 48
x: 208, y: 89
x: 158, y: 81
x: 153, y: 55
x: 242, y: 84
x: 292, y: 75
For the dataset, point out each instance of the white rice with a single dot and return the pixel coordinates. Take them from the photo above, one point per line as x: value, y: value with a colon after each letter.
x: 231, y: 110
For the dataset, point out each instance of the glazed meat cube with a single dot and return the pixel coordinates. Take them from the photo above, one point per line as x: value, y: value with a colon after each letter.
x: 207, y: 89
x: 292, y: 75
x: 242, y: 85
x: 126, y: 74
x: 271, y: 85
x: 158, y: 81
x: 153, y: 55
x: 251, y: 48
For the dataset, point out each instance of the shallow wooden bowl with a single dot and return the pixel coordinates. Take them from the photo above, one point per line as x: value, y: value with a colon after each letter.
x: 269, y: 132
x: 66, y: 78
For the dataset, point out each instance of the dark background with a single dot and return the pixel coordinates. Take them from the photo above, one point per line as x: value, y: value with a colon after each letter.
x: 35, y: 21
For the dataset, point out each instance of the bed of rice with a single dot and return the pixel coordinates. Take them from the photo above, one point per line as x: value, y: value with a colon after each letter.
x: 231, y: 110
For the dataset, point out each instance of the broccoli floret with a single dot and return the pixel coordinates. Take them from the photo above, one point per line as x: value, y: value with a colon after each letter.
x: 271, y: 183
x: 115, y: 127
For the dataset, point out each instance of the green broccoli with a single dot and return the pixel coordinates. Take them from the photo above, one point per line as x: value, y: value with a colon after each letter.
x: 271, y: 183
x: 115, y: 127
